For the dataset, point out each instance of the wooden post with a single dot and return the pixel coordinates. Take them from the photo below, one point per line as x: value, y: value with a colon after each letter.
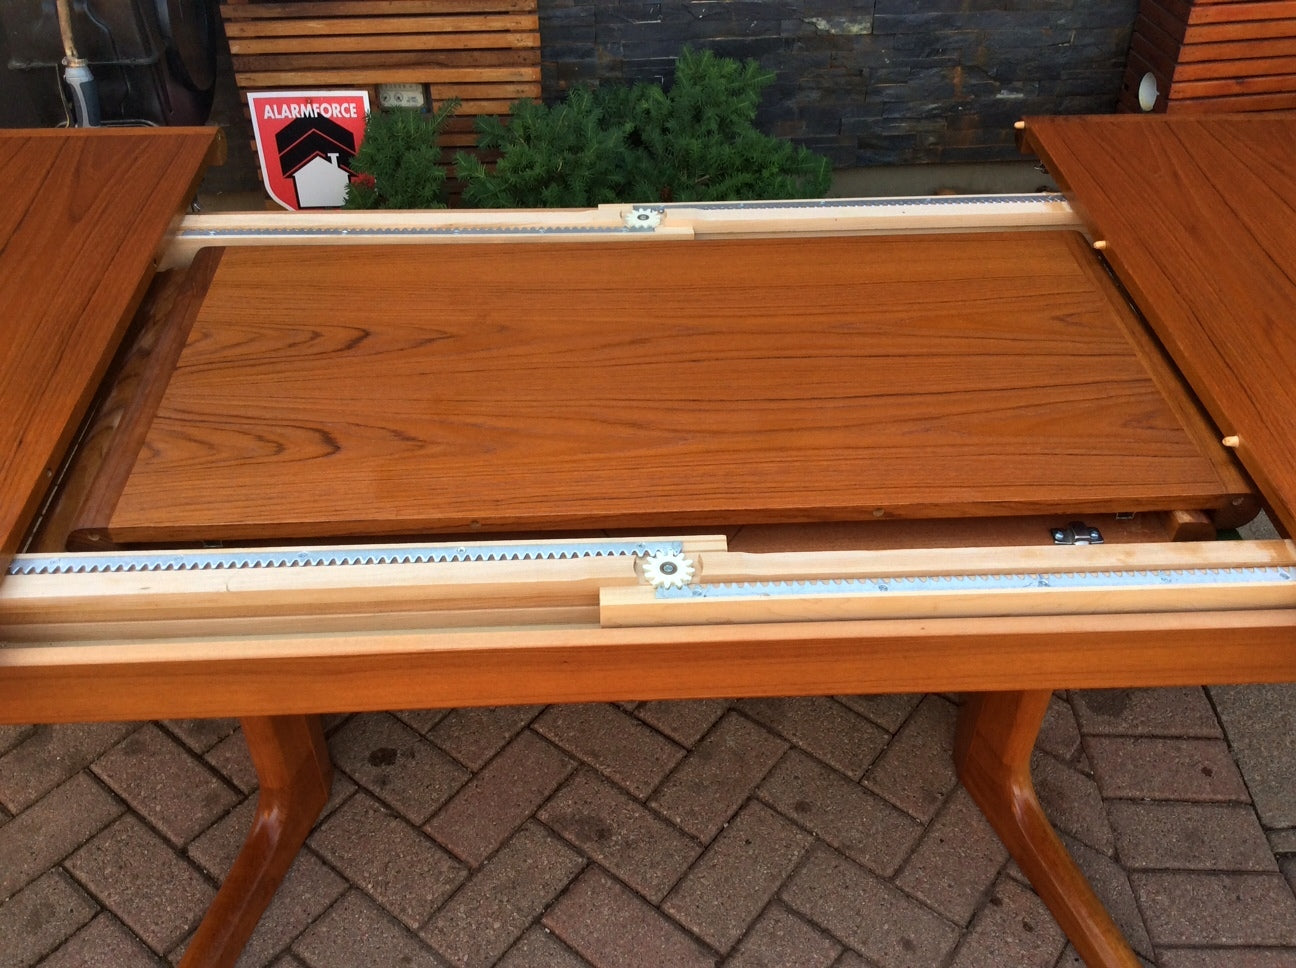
x: 992, y: 750
x: 292, y: 764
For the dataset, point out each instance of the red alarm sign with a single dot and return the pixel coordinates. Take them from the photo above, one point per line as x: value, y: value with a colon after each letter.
x: 305, y: 140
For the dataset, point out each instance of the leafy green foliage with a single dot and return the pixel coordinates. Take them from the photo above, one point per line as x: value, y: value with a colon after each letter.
x: 567, y: 155
x: 399, y: 162
x: 693, y: 142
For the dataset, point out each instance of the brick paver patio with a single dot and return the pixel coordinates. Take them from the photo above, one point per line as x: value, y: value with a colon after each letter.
x: 825, y: 832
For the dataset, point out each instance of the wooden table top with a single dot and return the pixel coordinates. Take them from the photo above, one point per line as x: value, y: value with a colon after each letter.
x: 445, y: 389
x: 82, y: 216
x: 1199, y: 217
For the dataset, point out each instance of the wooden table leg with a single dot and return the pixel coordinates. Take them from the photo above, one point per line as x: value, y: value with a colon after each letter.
x: 996, y: 734
x: 292, y: 763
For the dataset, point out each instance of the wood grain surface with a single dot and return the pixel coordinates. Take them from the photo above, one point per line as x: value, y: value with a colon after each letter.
x: 82, y: 217
x: 1199, y: 216
x: 402, y: 390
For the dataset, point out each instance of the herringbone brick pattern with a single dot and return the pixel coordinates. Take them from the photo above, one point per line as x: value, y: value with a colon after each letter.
x: 824, y: 833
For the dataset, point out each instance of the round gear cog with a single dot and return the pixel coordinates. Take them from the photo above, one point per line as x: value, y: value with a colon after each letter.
x: 667, y: 570
x: 642, y: 217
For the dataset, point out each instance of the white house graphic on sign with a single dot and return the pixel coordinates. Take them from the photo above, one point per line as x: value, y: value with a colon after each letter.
x: 315, y: 154
x: 321, y: 183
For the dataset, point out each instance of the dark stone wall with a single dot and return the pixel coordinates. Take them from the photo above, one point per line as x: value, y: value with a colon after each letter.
x: 866, y: 82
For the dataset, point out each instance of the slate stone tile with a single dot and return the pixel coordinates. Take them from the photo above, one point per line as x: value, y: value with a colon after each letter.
x: 356, y: 932
x: 41, y: 917
x: 51, y: 828
x: 136, y: 875
x: 539, y: 948
x: 916, y: 772
x: 1178, y: 712
x: 843, y: 814
x: 608, y: 924
x: 396, y: 765
x: 392, y: 861
x: 868, y: 914
x: 781, y: 939
x: 737, y: 876
x: 48, y: 755
x: 1012, y: 928
x: 612, y: 742
x: 499, y: 799
x: 956, y: 861
x: 501, y: 899
x: 1183, y: 909
x: 717, y: 776
x: 472, y: 736
x: 609, y: 826
x: 824, y: 728
x: 1200, y: 770
x: 163, y: 782
x: 1189, y: 836
x: 103, y: 943
x: 684, y: 721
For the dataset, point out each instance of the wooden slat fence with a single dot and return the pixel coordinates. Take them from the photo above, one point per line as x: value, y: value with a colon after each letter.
x: 484, y: 52
x: 1214, y: 55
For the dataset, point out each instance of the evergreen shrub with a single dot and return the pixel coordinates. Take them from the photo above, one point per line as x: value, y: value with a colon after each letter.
x: 640, y: 143
x: 399, y: 163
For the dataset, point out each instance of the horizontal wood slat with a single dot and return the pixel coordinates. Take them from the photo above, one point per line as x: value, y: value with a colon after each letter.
x: 350, y: 26
x: 1283, y: 101
x: 244, y: 10
x: 1214, y: 70
x: 1239, y: 49
x: 480, y: 43
x: 1215, y: 33
x: 1240, y: 56
x: 439, y: 60
x: 464, y: 89
x: 1219, y: 13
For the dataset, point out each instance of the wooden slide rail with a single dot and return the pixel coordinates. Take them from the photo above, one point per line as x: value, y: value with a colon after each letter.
x: 278, y: 646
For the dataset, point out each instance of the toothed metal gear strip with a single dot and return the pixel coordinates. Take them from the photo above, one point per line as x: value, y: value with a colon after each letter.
x: 925, y: 201
x: 73, y: 564
x: 404, y: 230
x: 983, y: 583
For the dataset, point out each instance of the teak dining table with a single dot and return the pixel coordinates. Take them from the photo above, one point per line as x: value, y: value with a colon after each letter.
x: 644, y: 465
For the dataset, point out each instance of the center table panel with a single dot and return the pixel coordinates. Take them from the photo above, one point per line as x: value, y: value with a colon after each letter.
x: 402, y: 390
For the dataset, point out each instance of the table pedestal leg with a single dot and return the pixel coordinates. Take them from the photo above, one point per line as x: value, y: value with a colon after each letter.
x: 996, y: 734
x: 292, y: 764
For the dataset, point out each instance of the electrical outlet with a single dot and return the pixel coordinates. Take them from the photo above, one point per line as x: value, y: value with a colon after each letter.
x: 402, y: 96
